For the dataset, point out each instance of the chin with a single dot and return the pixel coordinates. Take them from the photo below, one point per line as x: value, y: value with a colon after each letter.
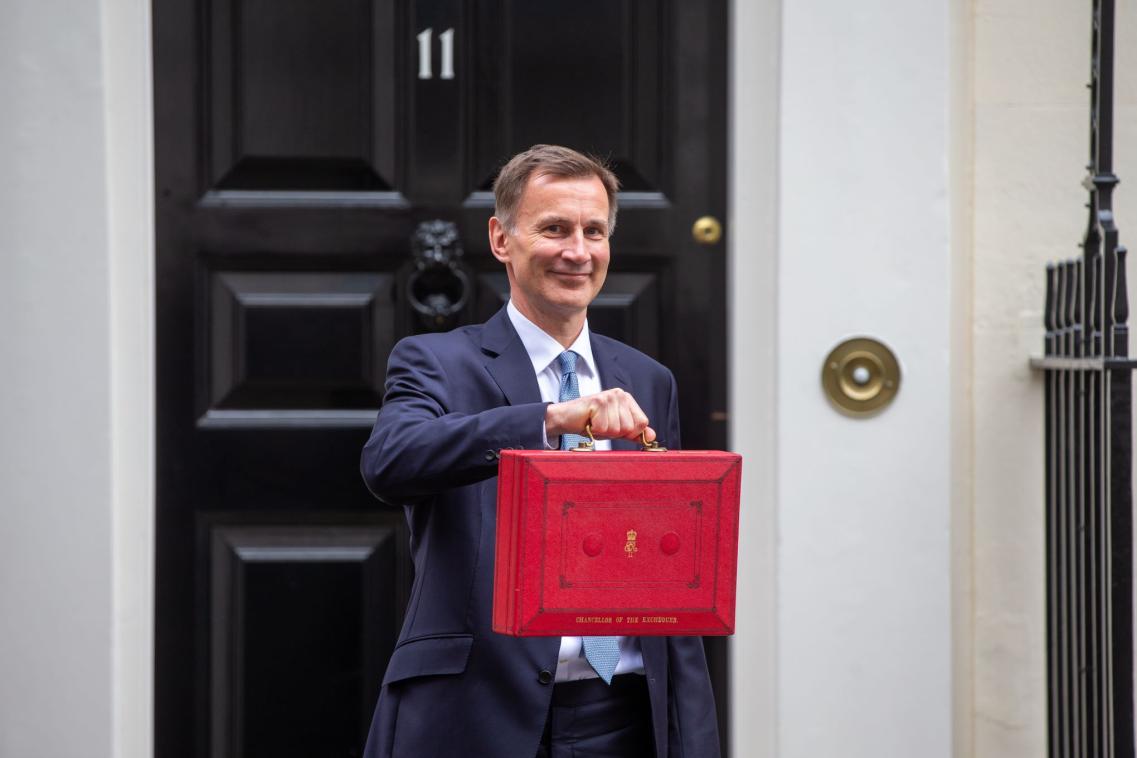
x: 574, y: 301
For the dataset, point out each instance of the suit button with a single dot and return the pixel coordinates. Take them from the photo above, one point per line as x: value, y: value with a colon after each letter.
x: 490, y: 455
x: 545, y: 676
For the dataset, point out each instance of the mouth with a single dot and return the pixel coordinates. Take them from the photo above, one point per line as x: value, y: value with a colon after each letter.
x: 574, y: 274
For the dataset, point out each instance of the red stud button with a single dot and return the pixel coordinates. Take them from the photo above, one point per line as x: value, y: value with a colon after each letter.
x: 669, y: 543
x: 592, y: 545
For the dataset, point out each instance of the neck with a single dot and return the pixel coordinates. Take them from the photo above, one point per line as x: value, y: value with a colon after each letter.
x: 561, y: 327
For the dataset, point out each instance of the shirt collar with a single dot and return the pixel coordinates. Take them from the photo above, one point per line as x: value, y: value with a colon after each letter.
x: 543, y: 349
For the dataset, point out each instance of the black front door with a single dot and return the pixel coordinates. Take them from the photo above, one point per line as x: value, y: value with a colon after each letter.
x: 301, y: 147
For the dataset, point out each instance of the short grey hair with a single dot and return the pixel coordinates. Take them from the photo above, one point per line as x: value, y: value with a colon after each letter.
x: 549, y: 160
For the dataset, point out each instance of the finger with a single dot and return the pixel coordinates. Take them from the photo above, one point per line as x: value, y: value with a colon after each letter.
x: 649, y: 434
x: 594, y: 414
x: 627, y: 420
x: 598, y: 415
x: 612, y: 417
x: 640, y: 420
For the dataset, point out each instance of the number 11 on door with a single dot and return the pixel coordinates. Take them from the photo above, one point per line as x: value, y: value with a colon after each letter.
x: 446, y: 41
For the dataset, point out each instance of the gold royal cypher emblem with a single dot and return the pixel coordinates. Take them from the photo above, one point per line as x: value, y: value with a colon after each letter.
x: 630, y: 547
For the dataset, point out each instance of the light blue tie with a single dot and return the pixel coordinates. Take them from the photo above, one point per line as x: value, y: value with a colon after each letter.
x: 570, y: 390
x: 602, y: 653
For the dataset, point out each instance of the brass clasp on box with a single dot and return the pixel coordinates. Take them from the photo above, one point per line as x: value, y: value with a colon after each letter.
x: 586, y: 446
x: 589, y: 445
x: 860, y: 376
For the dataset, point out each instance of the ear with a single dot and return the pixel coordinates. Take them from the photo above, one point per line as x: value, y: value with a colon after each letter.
x: 498, y: 240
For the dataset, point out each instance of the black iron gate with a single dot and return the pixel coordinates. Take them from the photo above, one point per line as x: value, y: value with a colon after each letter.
x: 1089, y: 539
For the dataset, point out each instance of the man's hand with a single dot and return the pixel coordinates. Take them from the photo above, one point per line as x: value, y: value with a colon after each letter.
x: 614, y: 415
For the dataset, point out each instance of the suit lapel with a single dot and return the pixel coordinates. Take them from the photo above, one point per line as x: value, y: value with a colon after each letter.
x: 612, y: 375
x: 509, y: 365
x: 507, y: 362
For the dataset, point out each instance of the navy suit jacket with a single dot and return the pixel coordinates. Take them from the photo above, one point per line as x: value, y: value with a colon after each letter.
x: 453, y: 686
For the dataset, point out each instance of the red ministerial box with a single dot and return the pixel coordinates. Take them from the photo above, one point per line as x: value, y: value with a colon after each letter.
x: 630, y: 543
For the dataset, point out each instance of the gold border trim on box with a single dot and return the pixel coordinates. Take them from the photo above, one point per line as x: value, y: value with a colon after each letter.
x: 861, y: 377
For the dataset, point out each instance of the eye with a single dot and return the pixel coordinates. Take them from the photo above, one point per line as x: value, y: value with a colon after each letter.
x: 595, y: 231
x: 554, y: 228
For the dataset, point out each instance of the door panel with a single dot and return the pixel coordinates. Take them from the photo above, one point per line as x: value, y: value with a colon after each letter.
x: 592, y: 79
x: 297, y: 341
x: 277, y: 589
x: 303, y: 96
x: 300, y: 145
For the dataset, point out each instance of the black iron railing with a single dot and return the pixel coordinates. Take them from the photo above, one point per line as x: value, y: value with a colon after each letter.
x: 1089, y: 538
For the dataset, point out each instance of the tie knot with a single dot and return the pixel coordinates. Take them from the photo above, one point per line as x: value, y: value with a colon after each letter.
x: 567, y: 359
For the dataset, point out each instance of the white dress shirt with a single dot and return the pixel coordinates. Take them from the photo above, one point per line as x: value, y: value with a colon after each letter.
x: 543, y: 351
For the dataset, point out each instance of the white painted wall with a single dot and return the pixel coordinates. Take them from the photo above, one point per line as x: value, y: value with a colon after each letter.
x: 961, y: 183
x: 864, y: 506
x: 752, y: 242
x: 76, y: 453
x: 128, y: 119
x: 852, y: 655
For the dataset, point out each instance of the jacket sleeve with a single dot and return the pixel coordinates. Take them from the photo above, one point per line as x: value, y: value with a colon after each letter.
x: 692, y: 723
x: 420, y: 446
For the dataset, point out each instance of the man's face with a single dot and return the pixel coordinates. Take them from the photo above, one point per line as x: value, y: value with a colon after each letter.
x: 557, y: 254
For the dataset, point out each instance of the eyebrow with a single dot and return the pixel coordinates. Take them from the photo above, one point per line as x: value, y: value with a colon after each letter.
x: 544, y: 221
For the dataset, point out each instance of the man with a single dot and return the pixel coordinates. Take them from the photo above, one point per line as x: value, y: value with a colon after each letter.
x: 531, y: 377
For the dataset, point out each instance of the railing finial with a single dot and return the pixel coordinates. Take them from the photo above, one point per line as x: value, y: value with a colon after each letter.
x: 1094, y: 308
x: 1121, y: 291
x: 1069, y: 312
x: 1048, y: 317
x: 1120, y: 305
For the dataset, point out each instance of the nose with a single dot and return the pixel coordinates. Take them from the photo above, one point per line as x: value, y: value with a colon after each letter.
x: 576, y: 247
